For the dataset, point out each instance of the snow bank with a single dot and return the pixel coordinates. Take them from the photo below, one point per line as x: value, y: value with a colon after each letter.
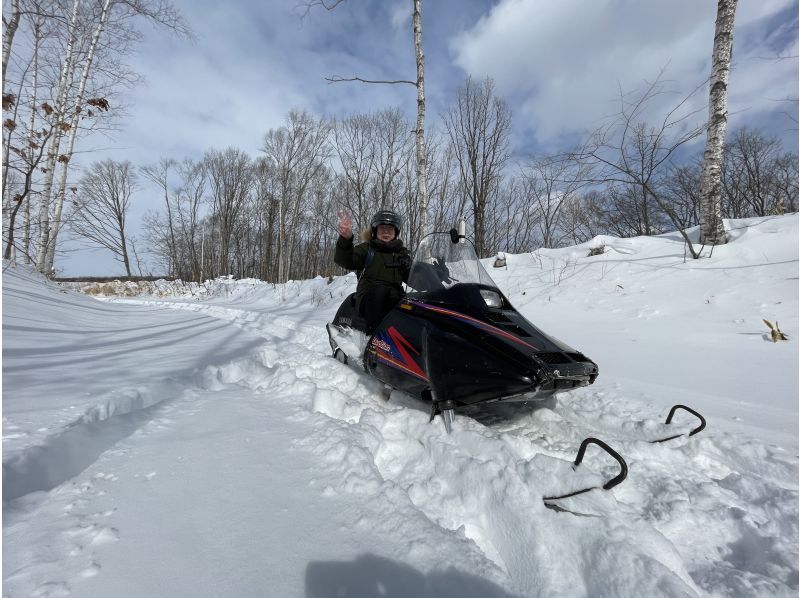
x: 225, y: 453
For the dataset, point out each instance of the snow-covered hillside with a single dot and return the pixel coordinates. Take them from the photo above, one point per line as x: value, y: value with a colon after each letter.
x: 173, y: 446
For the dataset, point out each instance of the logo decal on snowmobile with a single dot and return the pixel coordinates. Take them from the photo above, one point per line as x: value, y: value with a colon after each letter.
x: 381, y: 344
x: 474, y: 322
x: 395, y: 353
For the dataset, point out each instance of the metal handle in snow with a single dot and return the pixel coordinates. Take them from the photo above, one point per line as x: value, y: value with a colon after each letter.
x: 623, y: 468
x: 669, y: 421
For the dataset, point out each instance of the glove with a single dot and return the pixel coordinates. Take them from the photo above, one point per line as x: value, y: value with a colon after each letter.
x: 442, y: 270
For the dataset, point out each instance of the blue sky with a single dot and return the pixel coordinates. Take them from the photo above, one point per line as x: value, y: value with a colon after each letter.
x: 558, y: 63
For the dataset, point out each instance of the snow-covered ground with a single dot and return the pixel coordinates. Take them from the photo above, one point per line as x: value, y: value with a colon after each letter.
x: 173, y: 446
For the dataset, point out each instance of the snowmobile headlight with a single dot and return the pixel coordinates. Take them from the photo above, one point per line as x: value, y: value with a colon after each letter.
x: 491, y: 298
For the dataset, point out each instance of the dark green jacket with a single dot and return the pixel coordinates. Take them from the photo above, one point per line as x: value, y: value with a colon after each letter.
x: 378, y: 271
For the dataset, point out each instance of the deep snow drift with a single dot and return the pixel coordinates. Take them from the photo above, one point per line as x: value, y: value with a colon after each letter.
x: 173, y: 446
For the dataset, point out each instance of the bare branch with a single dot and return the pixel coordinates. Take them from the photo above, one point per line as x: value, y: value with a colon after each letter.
x: 338, y: 79
x: 326, y: 4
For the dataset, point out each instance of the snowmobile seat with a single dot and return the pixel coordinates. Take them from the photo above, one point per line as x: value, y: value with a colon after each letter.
x: 347, y: 315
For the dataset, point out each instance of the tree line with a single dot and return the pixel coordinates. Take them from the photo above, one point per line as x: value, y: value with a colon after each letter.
x: 272, y: 216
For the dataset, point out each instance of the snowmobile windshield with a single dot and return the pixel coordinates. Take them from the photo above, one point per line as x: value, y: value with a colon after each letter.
x: 440, y: 264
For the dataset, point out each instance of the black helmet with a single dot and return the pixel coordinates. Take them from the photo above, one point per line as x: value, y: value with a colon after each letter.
x: 386, y: 217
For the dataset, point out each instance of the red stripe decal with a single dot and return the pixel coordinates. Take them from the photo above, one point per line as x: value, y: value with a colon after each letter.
x: 402, y: 346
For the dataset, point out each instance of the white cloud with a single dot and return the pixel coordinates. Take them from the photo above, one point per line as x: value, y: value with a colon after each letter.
x: 566, y: 59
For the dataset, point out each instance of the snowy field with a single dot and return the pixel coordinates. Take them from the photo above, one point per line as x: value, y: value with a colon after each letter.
x: 183, y: 446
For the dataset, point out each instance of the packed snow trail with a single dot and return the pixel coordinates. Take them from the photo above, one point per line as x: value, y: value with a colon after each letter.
x: 279, y: 471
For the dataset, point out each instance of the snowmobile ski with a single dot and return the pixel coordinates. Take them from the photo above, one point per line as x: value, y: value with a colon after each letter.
x: 694, y: 431
x: 551, y: 501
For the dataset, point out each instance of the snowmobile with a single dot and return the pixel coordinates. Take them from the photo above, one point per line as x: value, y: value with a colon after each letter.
x: 454, y: 340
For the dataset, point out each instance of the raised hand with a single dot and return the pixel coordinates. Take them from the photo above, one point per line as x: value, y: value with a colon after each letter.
x: 345, y: 227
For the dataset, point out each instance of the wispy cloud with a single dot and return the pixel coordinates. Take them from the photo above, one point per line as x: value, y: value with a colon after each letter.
x: 564, y: 61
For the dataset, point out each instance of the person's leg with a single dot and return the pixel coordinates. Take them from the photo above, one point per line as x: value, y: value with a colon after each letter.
x: 375, y: 304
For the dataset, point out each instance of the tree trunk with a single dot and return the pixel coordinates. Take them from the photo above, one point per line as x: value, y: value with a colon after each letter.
x: 124, y: 244
x: 712, y: 230
x: 422, y: 166
x: 8, y: 35
x: 281, y: 236
x: 52, y: 155
x: 73, y: 133
x: 26, y: 225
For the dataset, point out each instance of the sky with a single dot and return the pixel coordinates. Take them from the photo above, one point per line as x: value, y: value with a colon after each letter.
x: 560, y: 65
x: 200, y: 440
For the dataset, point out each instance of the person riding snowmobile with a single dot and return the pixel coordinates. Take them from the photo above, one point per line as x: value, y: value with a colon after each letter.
x: 382, y: 262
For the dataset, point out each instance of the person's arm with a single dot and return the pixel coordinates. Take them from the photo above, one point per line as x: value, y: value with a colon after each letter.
x: 347, y: 256
x: 405, y: 266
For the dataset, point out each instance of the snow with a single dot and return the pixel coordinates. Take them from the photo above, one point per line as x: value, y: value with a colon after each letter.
x: 201, y: 442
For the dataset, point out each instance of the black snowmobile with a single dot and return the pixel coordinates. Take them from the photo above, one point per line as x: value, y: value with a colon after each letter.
x: 455, y: 340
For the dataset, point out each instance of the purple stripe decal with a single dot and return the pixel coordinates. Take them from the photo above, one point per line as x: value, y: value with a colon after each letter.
x: 473, y: 322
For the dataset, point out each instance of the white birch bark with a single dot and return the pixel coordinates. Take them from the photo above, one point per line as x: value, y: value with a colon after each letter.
x: 55, y: 143
x: 712, y: 230
x: 8, y: 35
x: 73, y: 133
x: 26, y: 215
x: 422, y: 166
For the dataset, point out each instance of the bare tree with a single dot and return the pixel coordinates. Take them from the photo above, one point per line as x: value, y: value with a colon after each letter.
x: 65, y: 73
x: 104, y: 195
x: 785, y: 181
x: 629, y: 156
x: 547, y: 186
x: 580, y: 217
x: 681, y: 190
x: 113, y: 21
x: 353, y: 143
x: 758, y: 179
x: 478, y: 126
x: 392, y: 151
x: 446, y: 206
x: 30, y: 161
x: 159, y: 175
x: 297, y: 151
x: 266, y: 216
x: 712, y: 230
x: 230, y: 175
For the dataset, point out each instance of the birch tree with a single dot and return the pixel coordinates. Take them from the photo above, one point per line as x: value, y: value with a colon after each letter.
x: 419, y: 84
x: 712, y: 230
x: 118, y: 30
x: 64, y: 86
x: 9, y: 30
